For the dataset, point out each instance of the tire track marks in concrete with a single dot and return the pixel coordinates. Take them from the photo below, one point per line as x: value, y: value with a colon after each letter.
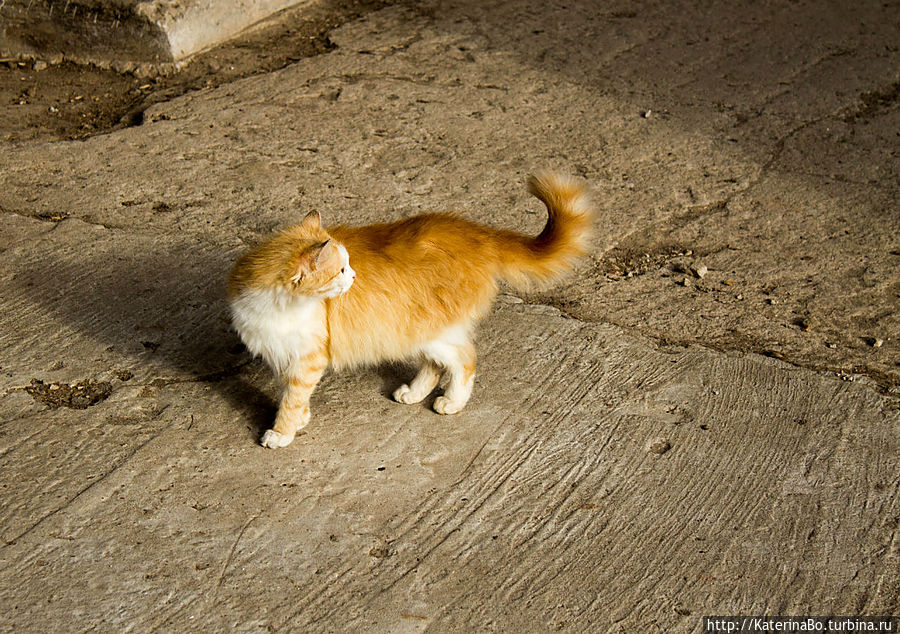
x: 416, y: 529
x: 702, y: 495
x: 483, y: 485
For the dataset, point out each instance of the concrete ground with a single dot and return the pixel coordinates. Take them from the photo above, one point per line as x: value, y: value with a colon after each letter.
x: 704, y: 420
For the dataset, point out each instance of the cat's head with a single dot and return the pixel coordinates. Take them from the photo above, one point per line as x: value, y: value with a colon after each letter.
x: 321, y: 266
x: 302, y: 260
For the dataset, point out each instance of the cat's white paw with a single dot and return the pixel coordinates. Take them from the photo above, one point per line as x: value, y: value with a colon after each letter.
x: 443, y: 405
x: 273, y: 439
x: 404, y: 394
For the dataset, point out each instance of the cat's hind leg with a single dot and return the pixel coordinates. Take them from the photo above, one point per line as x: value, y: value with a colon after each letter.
x: 421, y: 386
x: 455, y: 353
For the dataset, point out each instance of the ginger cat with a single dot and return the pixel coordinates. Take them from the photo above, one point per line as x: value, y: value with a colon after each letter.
x: 414, y: 292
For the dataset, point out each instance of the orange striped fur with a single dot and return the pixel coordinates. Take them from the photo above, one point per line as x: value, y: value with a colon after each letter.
x: 410, y: 290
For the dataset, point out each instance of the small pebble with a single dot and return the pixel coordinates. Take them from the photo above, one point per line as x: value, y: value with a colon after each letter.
x: 380, y: 552
x: 699, y: 270
x: 877, y: 343
x: 40, y: 65
x: 659, y: 446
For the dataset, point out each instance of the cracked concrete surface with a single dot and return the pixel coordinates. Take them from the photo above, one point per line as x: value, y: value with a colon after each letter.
x: 760, y: 142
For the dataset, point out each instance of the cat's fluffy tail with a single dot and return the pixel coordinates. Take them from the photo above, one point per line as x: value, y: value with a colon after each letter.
x: 529, y: 262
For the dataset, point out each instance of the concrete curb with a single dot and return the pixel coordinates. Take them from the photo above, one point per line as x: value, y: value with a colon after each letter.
x: 128, y: 35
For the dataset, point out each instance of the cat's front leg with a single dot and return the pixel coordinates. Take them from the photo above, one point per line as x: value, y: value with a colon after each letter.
x: 293, y: 412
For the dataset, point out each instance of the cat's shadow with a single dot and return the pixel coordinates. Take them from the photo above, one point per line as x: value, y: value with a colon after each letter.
x: 257, y: 406
x: 161, y: 309
x: 393, y: 375
x: 158, y: 310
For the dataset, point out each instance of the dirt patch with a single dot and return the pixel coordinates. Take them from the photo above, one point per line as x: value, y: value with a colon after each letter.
x: 69, y: 101
x: 874, y: 102
x: 618, y: 262
x: 78, y: 395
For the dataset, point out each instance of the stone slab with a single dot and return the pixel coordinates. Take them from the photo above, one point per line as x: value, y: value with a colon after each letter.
x: 126, y: 34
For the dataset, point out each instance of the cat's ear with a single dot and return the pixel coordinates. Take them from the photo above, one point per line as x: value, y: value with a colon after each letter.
x: 309, y: 261
x: 318, y: 254
x: 312, y: 221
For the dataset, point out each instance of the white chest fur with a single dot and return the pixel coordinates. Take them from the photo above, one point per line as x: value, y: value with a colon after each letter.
x: 278, y: 326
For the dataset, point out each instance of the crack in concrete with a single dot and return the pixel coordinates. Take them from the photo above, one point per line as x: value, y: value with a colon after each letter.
x: 198, y: 238
x: 230, y: 556
x: 875, y: 184
x: 884, y: 385
x: 211, y: 377
x: 55, y: 219
x: 354, y: 78
x: 21, y: 440
x: 800, y: 70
